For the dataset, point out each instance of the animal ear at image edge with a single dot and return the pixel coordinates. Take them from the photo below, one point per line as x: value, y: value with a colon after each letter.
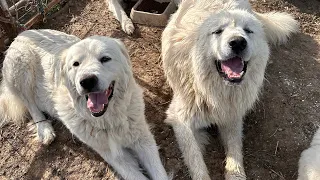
x: 278, y: 26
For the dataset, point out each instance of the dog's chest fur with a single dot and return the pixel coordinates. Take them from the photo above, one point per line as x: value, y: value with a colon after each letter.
x: 121, y: 121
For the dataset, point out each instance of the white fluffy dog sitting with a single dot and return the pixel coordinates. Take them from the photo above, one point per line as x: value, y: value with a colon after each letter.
x: 89, y: 86
x: 214, y: 56
x: 309, y: 163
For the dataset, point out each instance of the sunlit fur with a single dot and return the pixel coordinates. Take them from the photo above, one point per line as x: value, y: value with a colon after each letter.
x: 39, y: 76
x: 201, y: 97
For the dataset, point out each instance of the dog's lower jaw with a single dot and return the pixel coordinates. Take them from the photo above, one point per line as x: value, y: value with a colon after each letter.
x: 107, y: 93
x: 231, y: 81
x: 105, y: 107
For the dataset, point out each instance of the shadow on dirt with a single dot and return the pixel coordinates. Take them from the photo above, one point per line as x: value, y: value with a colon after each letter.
x: 283, y: 122
x: 75, y: 8
x: 307, y: 6
x: 69, y: 149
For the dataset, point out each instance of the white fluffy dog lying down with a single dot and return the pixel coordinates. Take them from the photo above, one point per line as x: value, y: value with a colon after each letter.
x: 309, y: 163
x: 89, y: 86
x: 214, y: 56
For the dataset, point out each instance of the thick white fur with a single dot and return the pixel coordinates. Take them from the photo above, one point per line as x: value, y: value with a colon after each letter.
x: 309, y: 163
x: 201, y: 97
x: 38, y: 77
x: 278, y: 26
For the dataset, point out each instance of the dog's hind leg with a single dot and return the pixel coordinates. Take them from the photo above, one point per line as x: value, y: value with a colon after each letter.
x: 147, y: 151
x: 20, y: 73
x: 11, y: 107
x: 117, y: 10
x: 191, y: 150
x: 45, y: 132
x: 202, y: 138
x: 231, y: 135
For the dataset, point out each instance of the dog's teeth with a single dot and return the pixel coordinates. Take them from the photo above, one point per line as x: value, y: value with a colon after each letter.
x: 241, y: 73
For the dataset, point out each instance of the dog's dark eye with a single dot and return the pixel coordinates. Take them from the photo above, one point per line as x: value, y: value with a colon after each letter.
x: 105, y: 59
x: 76, y: 63
x: 219, y: 31
x: 248, y: 31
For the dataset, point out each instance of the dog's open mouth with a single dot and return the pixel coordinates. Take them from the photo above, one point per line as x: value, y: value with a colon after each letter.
x: 233, y: 69
x: 97, y: 102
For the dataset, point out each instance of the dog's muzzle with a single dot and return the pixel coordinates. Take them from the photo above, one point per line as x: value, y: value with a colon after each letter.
x: 233, y: 69
x: 97, y: 102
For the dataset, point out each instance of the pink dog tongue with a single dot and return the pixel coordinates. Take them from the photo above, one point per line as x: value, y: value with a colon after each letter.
x: 96, y: 101
x: 232, y: 67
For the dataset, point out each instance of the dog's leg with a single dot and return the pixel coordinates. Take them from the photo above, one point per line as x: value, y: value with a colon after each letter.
x: 191, y: 151
x: 125, y: 165
x: 45, y: 132
x: 231, y: 135
x: 148, y: 154
x: 202, y: 138
x: 21, y: 80
x: 117, y: 10
x: 117, y: 157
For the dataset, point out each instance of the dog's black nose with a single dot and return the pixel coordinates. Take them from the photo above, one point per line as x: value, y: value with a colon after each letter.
x: 238, y: 44
x: 89, y: 82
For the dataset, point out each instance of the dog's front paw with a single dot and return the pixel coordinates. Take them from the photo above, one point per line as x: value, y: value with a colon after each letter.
x: 127, y: 26
x: 235, y: 176
x: 45, y: 133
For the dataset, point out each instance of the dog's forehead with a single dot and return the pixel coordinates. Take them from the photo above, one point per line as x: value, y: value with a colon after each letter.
x: 94, y: 47
x: 235, y: 18
x: 244, y: 19
x: 97, y: 45
x: 76, y: 52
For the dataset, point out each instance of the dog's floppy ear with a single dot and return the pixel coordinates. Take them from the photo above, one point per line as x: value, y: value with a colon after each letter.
x: 123, y: 48
x: 60, y: 76
x: 278, y: 26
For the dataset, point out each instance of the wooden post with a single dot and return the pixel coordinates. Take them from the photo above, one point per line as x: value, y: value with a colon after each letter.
x: 18, y: 5
x: 9, y: 27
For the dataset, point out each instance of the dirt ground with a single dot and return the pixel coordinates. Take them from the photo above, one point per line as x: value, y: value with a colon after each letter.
x: 275, y: 132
